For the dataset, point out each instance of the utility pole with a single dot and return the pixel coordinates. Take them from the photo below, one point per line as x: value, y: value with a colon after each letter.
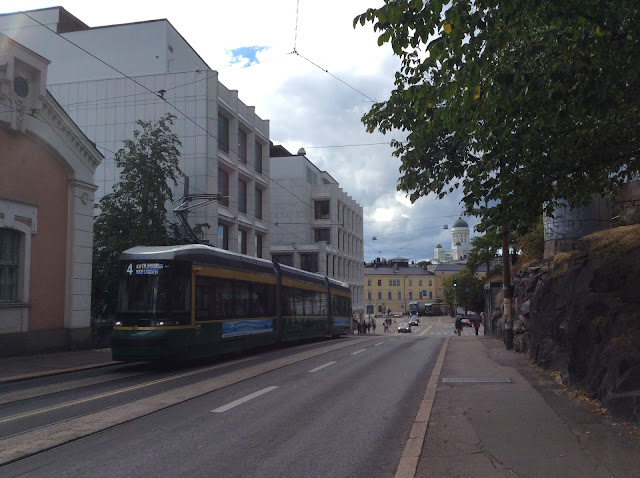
x: 506, y: 287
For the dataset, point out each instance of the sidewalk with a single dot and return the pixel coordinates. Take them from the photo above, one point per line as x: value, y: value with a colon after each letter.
x: 13, y: 369
x: 528, y: 427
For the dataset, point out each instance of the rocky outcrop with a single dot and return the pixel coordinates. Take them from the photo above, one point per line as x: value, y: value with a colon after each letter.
x: 580, y: 314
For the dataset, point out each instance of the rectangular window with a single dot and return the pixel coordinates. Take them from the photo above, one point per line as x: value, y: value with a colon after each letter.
x: 420, y: 282
x: 242, y: 146
x: 9, y: 250
x: 323, y: 235
x: 286, y: 259
x: 379, y: 283
x: 430, y: 283
x: 399, y: 295
x: 390, y: 282
x: 369, y: 295
x: 242, y: 196
x: 242, y: 241
x: 430, y: 295
x: 389, y: 295
x: 379, y: 295
x: 258, y: 155
x: 258, y: 245
x: 223, y: 133
x: 309, y: 262
x: 258, y: 203
x: 223, y: 187
x: 410, y: 282
x: 369, y: 282
x: 410, y: 295
x: 322, y: 209
x: 223, y: 236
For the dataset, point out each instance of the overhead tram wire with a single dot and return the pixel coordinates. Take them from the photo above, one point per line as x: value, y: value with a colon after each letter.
x: 165, y: 100
x: 334, y: 76
x: 180, y: 111
x: 277, y: 224
x: 111, y: 99
x: 60, y: 130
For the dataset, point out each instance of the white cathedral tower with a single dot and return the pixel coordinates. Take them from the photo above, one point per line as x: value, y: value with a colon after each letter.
x: 460, y: 245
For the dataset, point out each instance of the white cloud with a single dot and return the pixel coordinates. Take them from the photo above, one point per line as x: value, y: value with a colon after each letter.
x: 314, y: 99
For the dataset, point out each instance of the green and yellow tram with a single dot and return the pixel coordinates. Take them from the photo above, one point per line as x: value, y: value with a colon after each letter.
x: 196, y: 301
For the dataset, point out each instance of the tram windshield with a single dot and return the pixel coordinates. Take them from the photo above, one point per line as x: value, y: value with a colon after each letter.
x: 154, y: 288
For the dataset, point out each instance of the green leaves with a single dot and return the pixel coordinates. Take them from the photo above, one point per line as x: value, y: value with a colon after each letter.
x: 134, y: 213
x: 519, y: 104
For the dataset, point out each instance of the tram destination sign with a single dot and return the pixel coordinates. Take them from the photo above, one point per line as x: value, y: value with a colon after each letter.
x: 146, y: 268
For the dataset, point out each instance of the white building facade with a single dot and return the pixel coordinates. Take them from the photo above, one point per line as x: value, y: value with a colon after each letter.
x: 316, y: 226
x: 107, y: 78
x: 460, y: 244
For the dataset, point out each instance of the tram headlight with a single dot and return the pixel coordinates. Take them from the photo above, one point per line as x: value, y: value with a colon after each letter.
x: 117, y: 323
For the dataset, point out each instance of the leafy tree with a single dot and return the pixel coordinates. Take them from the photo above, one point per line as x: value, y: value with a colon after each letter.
x: 516, y: 103
x: 519, y: 104
x: 484, y: 250
x: 134, y: 213
x: 531, y: 244
x: 465, y: 289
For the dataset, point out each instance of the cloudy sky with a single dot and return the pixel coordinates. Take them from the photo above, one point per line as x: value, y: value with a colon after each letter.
x: 307, y: 70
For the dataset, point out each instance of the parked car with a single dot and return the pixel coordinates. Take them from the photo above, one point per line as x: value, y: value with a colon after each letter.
x: 404, y: 327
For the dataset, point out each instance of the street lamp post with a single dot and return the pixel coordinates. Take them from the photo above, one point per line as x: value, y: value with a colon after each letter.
x: 455, y: 300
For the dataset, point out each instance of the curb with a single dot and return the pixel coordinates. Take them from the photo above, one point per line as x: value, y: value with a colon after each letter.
x: 413, y: 449
x: 48, y: 373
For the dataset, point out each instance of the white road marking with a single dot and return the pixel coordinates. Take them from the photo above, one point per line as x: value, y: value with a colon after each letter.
x: 242, y: 400
x: 328, y: 364
x: 358, y: 351
x: 379, y: 343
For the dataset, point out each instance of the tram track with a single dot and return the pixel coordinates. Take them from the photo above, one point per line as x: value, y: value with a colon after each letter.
x: 29, y: 442
x: 64, y: 386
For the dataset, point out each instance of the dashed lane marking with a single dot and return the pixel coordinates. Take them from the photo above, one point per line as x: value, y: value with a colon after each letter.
x: 242, y: 400
x: 328, y: 364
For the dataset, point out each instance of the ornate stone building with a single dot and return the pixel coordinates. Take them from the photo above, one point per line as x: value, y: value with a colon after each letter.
x: 47, y: 191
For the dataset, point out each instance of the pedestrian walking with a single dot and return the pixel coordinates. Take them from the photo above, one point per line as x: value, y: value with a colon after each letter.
x: 373, y: 325
x: 459, y: 325
x: 476, y: 324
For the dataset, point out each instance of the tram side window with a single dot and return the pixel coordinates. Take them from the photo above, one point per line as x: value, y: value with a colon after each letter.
x: 309, y: 308
x: 294, y: 302
x: 242, y: 297
x: 340, y: 305
x: 322, y: 303
x: 205, y: 299
x: 224, y: 299
x: 263, y: 302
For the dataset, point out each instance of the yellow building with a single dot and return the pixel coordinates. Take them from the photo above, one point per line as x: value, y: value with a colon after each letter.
x: 393, y: 284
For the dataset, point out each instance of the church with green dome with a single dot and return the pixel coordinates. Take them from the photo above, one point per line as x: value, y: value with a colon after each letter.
x: 460, y: 244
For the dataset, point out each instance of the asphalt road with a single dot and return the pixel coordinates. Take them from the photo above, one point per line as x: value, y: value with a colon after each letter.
x: 343, y: 408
